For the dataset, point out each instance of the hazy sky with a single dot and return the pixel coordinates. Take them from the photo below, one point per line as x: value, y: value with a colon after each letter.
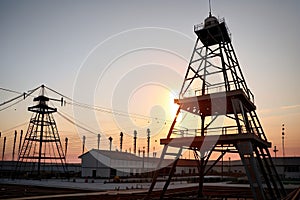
x: 110, y: 52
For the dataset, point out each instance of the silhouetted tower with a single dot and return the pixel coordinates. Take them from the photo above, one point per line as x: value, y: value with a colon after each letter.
x: 134, y: 141
x: 41, y: 143
x: 148, y: 142
x: 218, y: 115
x: 110, y: 142
x: 121, y: 141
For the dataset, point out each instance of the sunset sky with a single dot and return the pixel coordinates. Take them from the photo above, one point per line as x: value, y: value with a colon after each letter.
x: 131, y: 57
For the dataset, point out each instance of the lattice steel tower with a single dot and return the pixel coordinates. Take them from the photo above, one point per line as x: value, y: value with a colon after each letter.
x: 222, y: 115
x: 42, y: 145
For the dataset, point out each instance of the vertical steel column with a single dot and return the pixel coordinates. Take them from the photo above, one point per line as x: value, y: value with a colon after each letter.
x: 41, y: 144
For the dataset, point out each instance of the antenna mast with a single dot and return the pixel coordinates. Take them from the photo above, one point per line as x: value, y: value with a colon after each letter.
x: 283, y: 151
x: 209, y: 4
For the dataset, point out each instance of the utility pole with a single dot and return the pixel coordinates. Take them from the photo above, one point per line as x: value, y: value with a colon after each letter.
x: 110, y: 142
x: 282, y: 134
x: 20, y: 142
x: 134, y: 141
x: 148, y: 142
x: 121, y: 141
x: 14, y: 147
x: 66, y: 147
x: 275, y: 151
x: 283, y: 151
x: 229, y: 165
x: 143, y: 167
x: 99, y: 136
x: 83, y: 144
x: 3, y: 151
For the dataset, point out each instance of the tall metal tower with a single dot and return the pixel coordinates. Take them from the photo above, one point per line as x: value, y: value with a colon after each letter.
x: 216, y: 97
x: 41, y: 145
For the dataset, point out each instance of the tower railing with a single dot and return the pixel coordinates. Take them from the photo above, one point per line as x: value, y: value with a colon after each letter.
x: 216, y: 89
x: 224, y: 130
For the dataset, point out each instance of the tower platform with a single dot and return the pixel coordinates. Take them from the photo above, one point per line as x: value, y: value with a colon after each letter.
x: 224, y: 140
x: 206, y: 104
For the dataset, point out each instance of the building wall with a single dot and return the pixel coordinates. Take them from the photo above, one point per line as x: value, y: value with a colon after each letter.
x: 98, y: 165
x: 286, y: 167
x: 186, y: 170
x: 91, y: 162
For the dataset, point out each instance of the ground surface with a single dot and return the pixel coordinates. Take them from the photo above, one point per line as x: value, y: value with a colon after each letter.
x: 97, y: 189
x: 37, y: 192
x: 15, y: 191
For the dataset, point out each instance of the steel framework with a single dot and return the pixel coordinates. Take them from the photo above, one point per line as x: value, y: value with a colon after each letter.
x: 215, y: 92
x: 41, y: 146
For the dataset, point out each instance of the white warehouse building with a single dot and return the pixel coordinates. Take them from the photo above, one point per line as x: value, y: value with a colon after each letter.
x: 107, y: 164
x: 103, y: 163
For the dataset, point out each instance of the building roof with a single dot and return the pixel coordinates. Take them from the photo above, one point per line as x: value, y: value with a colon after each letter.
x: 116, y: 155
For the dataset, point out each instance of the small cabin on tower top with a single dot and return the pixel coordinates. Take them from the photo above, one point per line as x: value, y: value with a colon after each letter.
x: 213, y: 31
